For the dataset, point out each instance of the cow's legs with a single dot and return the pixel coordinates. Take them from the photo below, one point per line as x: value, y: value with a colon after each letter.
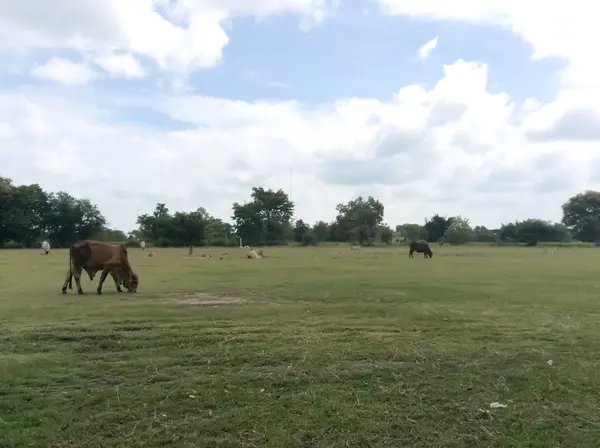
x: 77, y: 275
x: 410, y: 254
x: 105, y: 273
x: 116, y: 281
x: 67, y: 280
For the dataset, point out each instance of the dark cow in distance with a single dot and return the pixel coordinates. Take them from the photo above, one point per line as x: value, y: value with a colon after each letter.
x: 420, y: 248
x: 93, y: 256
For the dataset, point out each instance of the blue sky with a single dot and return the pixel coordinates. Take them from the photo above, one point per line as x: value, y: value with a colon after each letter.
x: 353, y: 54
x: 192, y: 122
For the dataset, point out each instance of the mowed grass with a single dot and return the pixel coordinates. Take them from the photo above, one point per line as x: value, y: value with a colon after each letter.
x: 328, y: 348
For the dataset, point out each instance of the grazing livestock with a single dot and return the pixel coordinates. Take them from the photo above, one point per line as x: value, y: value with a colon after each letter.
x: 554, y: 251
x: 46, y: 247
x: 143, y: 245
x: 94, y: 256
x: 254, y: 255
x: 420, y: 248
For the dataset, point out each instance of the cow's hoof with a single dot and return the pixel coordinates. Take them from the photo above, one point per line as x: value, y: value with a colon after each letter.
x: 64, y: 291
x: 119, y: 290
x: 99, y: 292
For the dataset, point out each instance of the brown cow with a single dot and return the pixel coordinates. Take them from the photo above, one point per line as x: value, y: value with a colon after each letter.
x: 94, y: 256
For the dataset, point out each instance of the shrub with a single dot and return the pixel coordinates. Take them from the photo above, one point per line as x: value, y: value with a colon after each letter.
x: 131, y: 243
x: 309, y: 239
x: 12, y: 244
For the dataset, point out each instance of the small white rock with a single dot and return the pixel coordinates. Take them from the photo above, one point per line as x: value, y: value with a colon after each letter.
x: 496, y: 405
x: 549, y: 362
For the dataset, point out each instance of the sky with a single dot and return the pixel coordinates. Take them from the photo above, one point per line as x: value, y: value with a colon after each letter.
x: 488, y: 110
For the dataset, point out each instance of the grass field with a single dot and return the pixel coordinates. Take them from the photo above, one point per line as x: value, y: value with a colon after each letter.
x: 322, y: 347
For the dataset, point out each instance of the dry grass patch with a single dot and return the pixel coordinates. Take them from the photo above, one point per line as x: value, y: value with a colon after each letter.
x: 203, y: 298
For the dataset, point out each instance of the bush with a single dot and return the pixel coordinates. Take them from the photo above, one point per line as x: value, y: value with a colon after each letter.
x: 309, y: 239
x: 12, y: 244
x: 131, y: 243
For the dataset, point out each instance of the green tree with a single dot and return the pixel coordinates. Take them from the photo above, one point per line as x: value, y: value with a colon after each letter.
x: 179, y: 229
x: 459, y: 231
x: 300, y: 229
x: 386, y: 234
x: 485, y: 235
x: 412, y: 232
x: 219, y: 233
x: 29, y: 214
x: 508, y: 232
x: 358, y: 220
x: 28, y: 206
x: 70, y: 219
x: 436, y: 227
x: 265, y: 219
x: 111, y: 235
x: 321, y: 231
x: 534, y: 231
x: 581, y: 215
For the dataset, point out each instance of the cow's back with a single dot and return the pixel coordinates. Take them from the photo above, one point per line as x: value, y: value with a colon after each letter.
x: 95, y: 254
x: 418, y: 246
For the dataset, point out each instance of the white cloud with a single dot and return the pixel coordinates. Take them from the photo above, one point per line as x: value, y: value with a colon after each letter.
x: 64, y: 71
x: 178, y: 35
x: 454, y: 148
x: 567, y: 30
x: 451, y: 149
x: 121, y: 65
x: 429, y: 46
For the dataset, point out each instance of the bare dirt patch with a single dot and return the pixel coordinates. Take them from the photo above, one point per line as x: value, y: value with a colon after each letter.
x: 202, y: 298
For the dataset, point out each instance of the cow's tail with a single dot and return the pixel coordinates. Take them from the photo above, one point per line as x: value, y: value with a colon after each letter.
x: 70, y: 271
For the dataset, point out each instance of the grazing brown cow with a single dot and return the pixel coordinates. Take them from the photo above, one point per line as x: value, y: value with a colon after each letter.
x: 94, y: 256
x: 420, y: 248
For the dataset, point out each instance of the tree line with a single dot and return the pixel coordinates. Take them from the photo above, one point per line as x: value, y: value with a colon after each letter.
x: 29, y: 215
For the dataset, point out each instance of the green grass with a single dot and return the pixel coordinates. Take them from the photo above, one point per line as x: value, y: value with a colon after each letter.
x: 331, y: 348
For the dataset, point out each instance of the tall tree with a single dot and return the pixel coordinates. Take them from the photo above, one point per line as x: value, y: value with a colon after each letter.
x: 321, y: 230
x: 358, y: 220
x: 581, y: 214
x: 219, y: 233
x: 533, y: 231
x: 6, y: 189
x: 179, y: 229
x: 70, y: 219
x: 508, y: 232
x: 265, y: 219
x: 412, y: 232
x: 436, y: 227
x: 386, y: 234
x: 484, y: 235
x: 300, y: 229
x: 459, y: 231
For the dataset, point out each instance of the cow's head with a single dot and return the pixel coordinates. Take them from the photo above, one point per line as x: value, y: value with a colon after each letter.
x: 131, y: 283
x: 430, y: 253
x: 134, y: 283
